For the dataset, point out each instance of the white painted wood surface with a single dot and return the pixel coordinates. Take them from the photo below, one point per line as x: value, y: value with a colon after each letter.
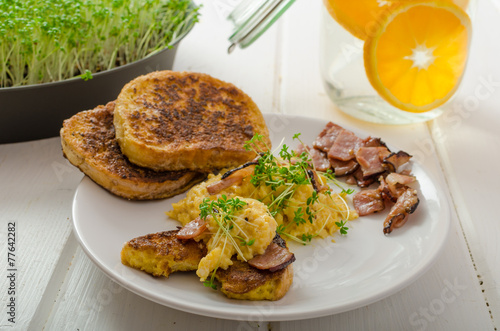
x: 59, y: 288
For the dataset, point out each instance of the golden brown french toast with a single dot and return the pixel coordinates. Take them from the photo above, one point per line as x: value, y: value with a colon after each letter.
x: 243, y: 282
x: 88, y: 142
x: 180, y: 120
x: 161, y: 254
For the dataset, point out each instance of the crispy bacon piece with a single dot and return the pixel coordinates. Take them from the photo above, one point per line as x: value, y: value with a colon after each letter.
x: 384, y: 190
x: 192, y: 229
x: 245, y: 165
x: 343, y: 168
x: 394, y: 178
x: 351, y: 180
x: 345, y: 146
x: 390, y: 189
x: 406, y: 204
x: 235, y: 177
x: 395, y: 160
x: 363, y: 181
x: 216, y: 187
x: 316, y: 181
x: 371, y: 160
x: 366, y: 161
x: 319, y: 159
x: 276, y: 256
x: 368, y: 202
x: 405, y: 172
x: 325, y: 139
x: 374, y: 142
x: 394, y: 184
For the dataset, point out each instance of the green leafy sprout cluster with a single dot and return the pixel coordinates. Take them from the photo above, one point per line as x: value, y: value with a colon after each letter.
x: 50, y: 40
x: 288, y: 172
x: 224, y: 212
x: 283, y: 174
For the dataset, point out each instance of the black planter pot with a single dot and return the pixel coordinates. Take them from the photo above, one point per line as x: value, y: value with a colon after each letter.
x: 37, y: 111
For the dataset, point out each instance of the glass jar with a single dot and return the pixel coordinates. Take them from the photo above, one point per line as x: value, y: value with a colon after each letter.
x: 251, y: 18
x: 357, y: 72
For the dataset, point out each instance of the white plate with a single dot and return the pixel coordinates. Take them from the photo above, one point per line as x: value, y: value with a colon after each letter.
x: 330, y: 277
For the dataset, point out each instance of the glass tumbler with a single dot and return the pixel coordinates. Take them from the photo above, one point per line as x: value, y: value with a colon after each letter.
x: 394, y: 62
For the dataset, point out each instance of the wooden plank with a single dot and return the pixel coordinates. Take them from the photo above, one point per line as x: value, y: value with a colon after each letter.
x: 468, y: 144
x: 37, y: 187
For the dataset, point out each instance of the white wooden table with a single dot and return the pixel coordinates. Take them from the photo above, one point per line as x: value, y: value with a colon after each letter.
x: 59, y: 288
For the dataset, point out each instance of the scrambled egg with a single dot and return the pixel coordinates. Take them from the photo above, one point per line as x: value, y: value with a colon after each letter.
x: 328, y: 210
x: 251, y: 224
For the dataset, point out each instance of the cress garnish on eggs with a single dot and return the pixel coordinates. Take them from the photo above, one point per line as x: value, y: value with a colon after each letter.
x: 237, y: 226
x: 245, y: 207
x: 298, y: 197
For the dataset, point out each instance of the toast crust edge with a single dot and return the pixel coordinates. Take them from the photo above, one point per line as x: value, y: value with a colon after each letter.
x: 150, y: 187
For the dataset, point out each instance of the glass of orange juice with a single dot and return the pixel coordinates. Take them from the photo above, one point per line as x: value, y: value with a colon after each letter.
x: 394, y: 62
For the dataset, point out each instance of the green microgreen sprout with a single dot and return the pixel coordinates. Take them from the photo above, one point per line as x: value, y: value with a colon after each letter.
x: 86, y: 75
x: 50, y: 40
x: 211, y: 281
x: 342, y: 228
x: 284, y: 175
x: 348, y: 191
x: 224, y: 211
x: 244, y: 242
x: 308, y: 237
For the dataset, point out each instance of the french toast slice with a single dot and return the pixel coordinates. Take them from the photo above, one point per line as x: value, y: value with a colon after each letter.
x: 162, y: 254
x: 88, y: 142
x: 169, y: 120
x: 244, y: 282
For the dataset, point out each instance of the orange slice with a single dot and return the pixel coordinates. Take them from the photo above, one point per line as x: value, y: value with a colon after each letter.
x: 361, y: 17
x: 462, y: 3
x: 416, y: 58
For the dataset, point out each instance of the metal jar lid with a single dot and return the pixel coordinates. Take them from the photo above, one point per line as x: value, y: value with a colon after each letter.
x: 251, y: 18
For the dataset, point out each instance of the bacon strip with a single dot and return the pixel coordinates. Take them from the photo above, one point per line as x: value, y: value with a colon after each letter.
x: 345, y: 146
x: 366, y: 161
x: 370, y: 159
x: 368, y: 202
x: 394, y: 185
x: 276, y: 256
x: 234, y: 178
x: 395, y: 160
x: 363, y: 181
x: 325, y: 139
x: 343, y: 168
x: 406, y: 204
x: 374, y: 142
x: 192, y: 229
x: 245, y: 165
x: 319, y: 159
x: 316, y: 182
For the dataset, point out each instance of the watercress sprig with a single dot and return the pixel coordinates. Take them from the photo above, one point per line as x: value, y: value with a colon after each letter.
x: 223, y: 211
x: 285, y: 174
